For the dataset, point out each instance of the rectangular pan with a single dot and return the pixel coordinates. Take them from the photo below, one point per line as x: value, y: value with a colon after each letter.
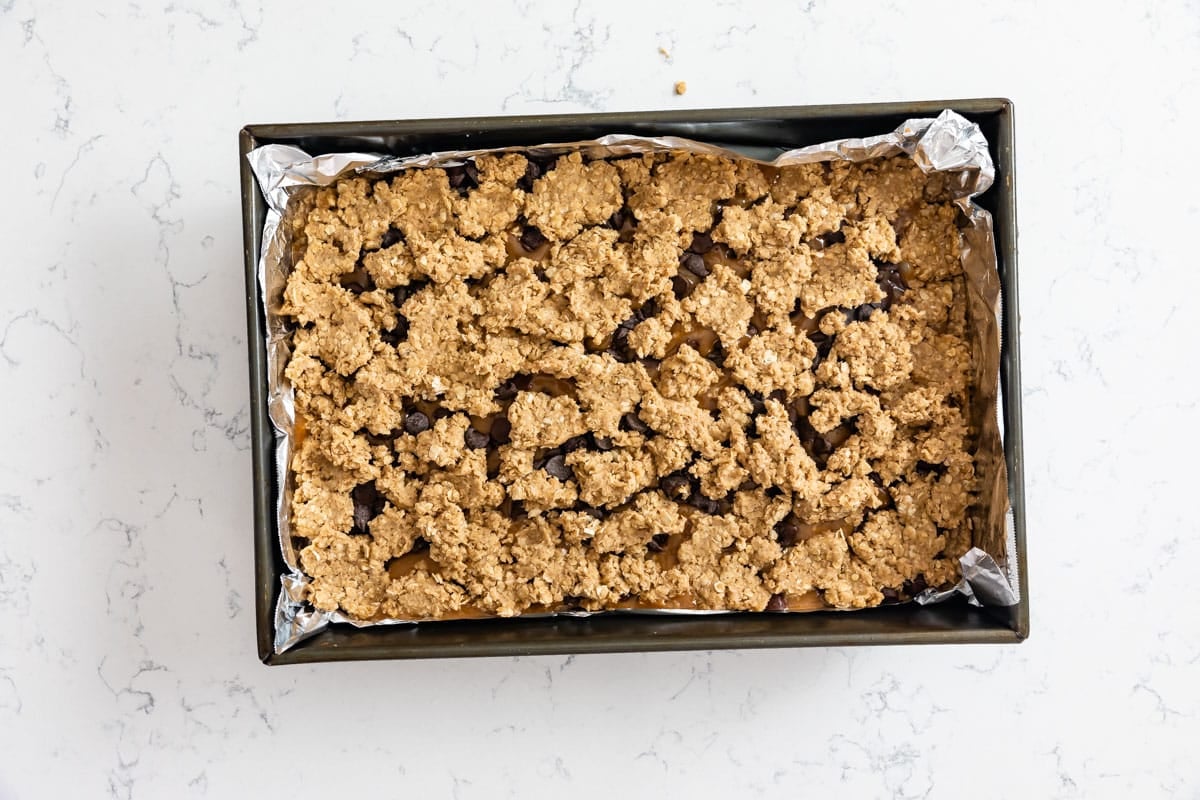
x: 768, y: 128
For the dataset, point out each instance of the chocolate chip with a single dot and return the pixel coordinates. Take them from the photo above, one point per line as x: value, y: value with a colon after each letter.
x: 863, y: 313
x: 915, y: 586
x: 683, y: 282
x: 591, y: 511
x: 778, y: 602
x: 361, y: 519
x: 694, y: 263
x: 757, y: 405
x: 602, y: 443
x: 367, y: 494
x: 397, y: 334
x: 701, y: 243
x: 624, y: 223
x: 890, y: 595
x: 675, y: 486
x: 535, y: 167
x: 787, y: 531
x: 752, y: 329
x: 890, y: 279
x: 501, y: 430
x: 574, y: 443
x: 374, y: 439
x: 647, y: 310
x: 368, y: 504
x: 619, y: 347
x: 928, y: 468
x: 508, y: 390
x: 401, y: 293
x: 543, y: 456
x: 632, y: 422
x: 463, y: 177
x: 391, y: 236
x: 532, y: 172
x: 657, y: 542
x: 773, y: 492
x: 476, y: 439
x: 705, y: 504
x: 416, y: 422
x: 824, y: 343
x: 556, y: 467
x: 531, y: 239
x: 818, y: 448
x: 717, y: 355
x: 835, y: 237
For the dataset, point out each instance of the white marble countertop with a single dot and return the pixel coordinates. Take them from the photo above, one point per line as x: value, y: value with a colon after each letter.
x: 127, y: 663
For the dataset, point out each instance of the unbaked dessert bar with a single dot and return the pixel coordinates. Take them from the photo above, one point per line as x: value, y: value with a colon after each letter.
x: 673, y: 380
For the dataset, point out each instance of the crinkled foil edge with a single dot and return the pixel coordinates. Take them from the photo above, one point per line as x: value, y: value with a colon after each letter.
x: 948, y: 143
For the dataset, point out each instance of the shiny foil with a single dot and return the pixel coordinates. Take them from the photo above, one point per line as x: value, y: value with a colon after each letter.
x: 948, y: 143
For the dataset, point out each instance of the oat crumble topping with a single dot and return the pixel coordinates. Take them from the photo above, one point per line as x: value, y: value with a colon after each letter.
x: 670, y: 380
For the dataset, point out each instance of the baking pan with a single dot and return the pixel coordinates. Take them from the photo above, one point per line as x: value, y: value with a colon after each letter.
x: 767, y: 130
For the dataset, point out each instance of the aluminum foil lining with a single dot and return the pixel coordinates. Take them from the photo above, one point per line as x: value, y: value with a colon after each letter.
x: 949, y: 143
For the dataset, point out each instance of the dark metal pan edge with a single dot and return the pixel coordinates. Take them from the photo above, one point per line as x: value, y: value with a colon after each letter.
x: 997, y: 112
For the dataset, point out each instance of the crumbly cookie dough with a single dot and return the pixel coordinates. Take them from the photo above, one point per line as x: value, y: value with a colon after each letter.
x: 527, y: 384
